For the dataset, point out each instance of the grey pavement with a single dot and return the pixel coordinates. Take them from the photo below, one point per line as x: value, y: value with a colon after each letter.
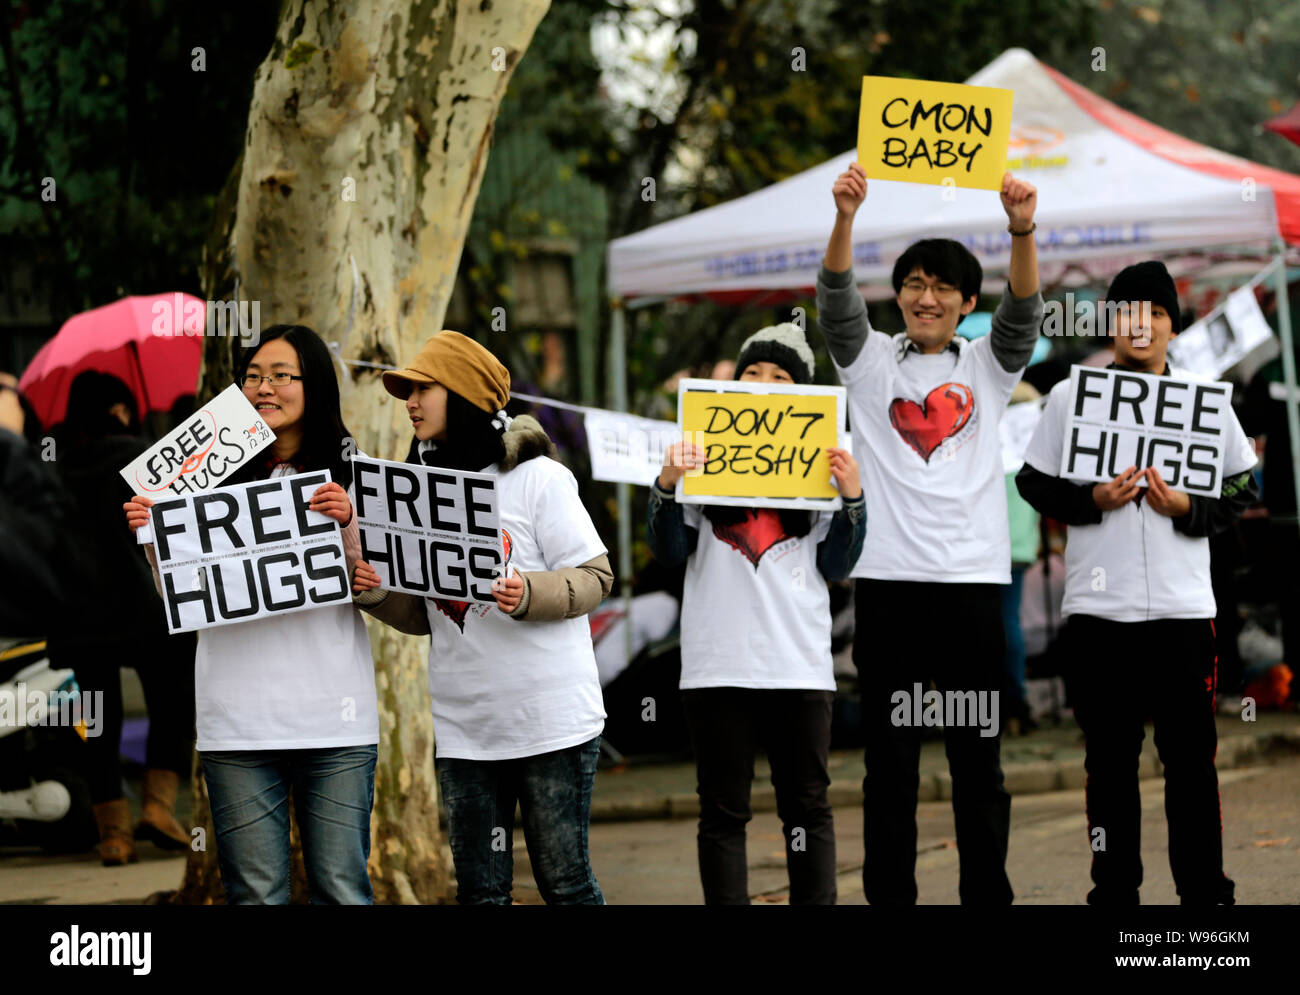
x: 643, y: 833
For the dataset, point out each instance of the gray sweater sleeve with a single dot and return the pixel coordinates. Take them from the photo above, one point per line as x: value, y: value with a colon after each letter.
x: 841, y: 315
x: 1016, y: 324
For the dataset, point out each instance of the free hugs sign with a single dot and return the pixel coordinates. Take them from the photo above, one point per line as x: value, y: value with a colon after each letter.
x: 1117, y: 419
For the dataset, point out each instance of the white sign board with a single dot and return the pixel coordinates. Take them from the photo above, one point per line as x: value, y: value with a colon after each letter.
x: 1215, y: 344
x: 429, y: 530
x: 1117, y: 419
x: 198, y: 454
x: 247, y: 552
x: 628, y: 449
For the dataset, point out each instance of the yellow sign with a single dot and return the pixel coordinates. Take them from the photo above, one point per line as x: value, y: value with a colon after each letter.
x: 949, y: 134
x: 761, y: 445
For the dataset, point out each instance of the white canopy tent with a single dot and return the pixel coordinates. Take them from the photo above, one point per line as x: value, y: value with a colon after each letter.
x: 1113, y: 189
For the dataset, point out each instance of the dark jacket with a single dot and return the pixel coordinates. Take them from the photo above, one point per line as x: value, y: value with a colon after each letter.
x: 34, y: 548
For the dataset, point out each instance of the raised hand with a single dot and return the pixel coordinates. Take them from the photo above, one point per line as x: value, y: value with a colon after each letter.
x: 850, y: 190
x: 1019, y: 200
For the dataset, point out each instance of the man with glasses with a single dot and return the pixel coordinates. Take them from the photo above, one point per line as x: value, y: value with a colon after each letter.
x: 924, y: 407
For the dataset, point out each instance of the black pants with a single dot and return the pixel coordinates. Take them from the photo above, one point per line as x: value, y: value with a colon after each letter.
x: 165, y: 665
x: 912, y: 633
x: 1168, y: 669
x: 794, y: 729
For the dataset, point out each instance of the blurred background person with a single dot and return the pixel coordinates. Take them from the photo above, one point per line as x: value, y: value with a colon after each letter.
x: 113, y: 618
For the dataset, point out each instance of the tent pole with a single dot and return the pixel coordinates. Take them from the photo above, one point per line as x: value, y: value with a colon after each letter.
x: 1288, y: 365
x: 617, y: 367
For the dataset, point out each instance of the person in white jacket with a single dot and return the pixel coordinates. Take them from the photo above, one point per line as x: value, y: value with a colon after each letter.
x: 517, y: 708
x: 1137, y: 590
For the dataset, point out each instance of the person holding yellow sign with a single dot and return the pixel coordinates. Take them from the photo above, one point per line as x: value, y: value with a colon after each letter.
x: 924, y: 407
x: 756, y: 646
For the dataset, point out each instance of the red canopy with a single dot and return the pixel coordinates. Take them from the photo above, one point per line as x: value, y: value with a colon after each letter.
x: 1287, y: 125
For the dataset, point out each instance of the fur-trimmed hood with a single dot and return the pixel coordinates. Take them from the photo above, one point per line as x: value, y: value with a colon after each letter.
x: 525, y: 439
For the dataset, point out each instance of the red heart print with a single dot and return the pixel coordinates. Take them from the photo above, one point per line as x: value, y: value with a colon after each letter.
x: 454, y: 610
x: 942, y: 414
x: 759, y: 532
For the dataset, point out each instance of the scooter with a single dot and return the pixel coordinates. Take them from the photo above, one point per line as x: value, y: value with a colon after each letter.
x: 43, y: 800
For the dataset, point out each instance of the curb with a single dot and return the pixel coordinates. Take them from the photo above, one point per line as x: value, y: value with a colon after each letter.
x: 1022, y: 778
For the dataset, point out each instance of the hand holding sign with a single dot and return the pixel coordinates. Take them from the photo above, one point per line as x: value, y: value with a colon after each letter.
x: 681, y: 456
x: 1118, y: 492
x: 844, y: 468
x: 1162, y: 498
x: 137, y: 511
x: 508, y: 592
x: 364, y: 577
x: 849, y: 191
x: 332, y: 500
x: 1019, y: 200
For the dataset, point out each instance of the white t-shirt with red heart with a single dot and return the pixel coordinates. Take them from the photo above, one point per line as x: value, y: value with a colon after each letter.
x: 925, y: 432
x: 755, y: 609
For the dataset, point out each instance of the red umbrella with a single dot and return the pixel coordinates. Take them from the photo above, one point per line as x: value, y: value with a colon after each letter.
x: 152, y: 344
x: 1287, y: 125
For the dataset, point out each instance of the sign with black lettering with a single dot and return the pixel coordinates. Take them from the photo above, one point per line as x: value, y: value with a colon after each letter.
x: 202, y: 451
x: 248, y: 551
x: 1118, y: 419
x: 764, y: 443
x: 428, y: 530
x: 920, y: 131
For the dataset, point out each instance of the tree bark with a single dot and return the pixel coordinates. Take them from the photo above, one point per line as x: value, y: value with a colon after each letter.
x: 368, y: 135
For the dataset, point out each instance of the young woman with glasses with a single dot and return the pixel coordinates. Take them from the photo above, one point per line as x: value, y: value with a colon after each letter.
x: 288, y: 702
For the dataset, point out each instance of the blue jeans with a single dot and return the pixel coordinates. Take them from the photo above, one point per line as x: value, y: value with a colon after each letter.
x: 554, y: 795
x: 333, y: 791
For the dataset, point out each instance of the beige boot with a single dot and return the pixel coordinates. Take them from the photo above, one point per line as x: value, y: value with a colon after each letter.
x: 115, y: 844
x: 157, y: 821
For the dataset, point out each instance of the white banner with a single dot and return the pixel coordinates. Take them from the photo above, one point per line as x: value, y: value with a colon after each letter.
x: 628, y: 449
x: 429, y: 530
x: 248, y: 551
x: 1237, y: 333
x: 1119, y: 419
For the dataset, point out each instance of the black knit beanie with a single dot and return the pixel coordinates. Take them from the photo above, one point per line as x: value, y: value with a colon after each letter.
x: 785, y: 345
x: 1147, y: 281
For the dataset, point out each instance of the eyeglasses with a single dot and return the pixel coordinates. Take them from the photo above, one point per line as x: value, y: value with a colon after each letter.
x: 914, y: 286
x: 277, y: 380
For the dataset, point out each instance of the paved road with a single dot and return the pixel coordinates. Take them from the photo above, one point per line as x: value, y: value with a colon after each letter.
x: 653, y: 862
